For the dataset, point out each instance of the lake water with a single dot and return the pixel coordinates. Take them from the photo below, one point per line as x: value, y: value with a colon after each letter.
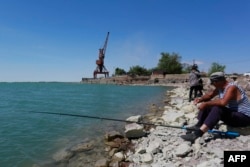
x: 28, y: 138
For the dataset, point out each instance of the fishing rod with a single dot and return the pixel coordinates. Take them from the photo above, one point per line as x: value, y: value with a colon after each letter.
x: 228, y: 133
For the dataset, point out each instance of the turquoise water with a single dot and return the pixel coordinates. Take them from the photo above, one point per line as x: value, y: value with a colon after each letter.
x: 28, y: 138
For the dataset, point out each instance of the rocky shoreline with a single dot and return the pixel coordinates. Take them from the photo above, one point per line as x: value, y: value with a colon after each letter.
x: 163, y: 147
x: 157, y: 146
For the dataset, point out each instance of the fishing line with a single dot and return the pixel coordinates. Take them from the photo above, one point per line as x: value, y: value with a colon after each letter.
x: 110, y: 119
x: 228, y: 133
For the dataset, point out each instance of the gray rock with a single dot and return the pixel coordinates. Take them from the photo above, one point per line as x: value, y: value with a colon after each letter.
x: 135, y: 119
x: 102, y: 163
x: 183, y: 149
x: 82, y: 147
x: 134, y: 130
x: 62, y: 155
x: 112, y: 135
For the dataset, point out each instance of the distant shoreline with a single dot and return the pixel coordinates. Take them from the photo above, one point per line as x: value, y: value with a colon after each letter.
x: 171, y: 79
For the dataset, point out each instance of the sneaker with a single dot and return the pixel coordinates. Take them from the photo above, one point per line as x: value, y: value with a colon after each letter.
x: 192, y: 129
x: 190, y: 137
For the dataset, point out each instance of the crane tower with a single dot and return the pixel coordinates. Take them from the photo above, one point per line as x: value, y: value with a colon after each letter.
x: 101, y: 69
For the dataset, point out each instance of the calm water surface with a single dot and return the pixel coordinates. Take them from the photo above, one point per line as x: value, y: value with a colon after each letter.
x: 28, y: 138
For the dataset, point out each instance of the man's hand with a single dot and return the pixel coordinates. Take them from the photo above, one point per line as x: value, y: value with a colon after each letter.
x: 202, y: 106
x: 197, y: 100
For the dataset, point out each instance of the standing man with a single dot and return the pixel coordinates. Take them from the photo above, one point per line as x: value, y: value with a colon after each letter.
x: 194, y: 82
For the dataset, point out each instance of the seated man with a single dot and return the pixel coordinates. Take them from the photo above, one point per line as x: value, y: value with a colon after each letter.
x: 232, y: 107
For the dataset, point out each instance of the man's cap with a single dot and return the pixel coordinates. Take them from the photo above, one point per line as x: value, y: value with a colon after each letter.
x: 217, y: 76
x: 195, y: 66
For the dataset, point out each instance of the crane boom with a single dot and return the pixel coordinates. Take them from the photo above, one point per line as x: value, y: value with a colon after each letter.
x: 105, y: 44
x: 100, y: 69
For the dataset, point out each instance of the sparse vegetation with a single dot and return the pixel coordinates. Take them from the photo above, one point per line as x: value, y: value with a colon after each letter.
x: 216, y: 67
x: 168, y: 64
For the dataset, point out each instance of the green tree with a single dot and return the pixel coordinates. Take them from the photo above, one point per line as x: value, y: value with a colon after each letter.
x: 119, y: 71
x: 170, y: 63
x: 151, y: 70
x: 138, y: 70
x: 186, y: 68
x: 215, y: 67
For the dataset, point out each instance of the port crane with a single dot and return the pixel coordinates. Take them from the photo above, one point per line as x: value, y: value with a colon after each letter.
x: 101, y: 69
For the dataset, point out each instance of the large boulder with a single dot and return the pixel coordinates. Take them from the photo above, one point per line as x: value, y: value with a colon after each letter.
x: 134, y: 130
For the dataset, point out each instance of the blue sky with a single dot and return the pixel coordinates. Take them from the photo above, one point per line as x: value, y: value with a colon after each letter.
x: 58, y: 40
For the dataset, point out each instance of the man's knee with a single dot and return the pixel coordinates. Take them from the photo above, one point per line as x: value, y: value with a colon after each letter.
x: 217, y: 110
